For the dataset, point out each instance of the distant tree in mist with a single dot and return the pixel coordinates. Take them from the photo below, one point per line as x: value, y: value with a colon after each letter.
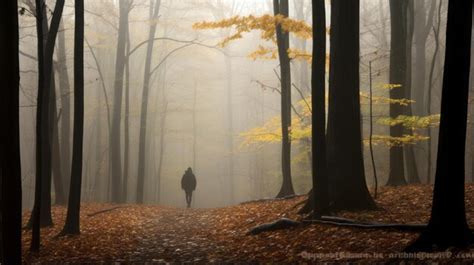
x: 220, y: 10
x: 115, y: 134
x: 154, y: 12
x: 424, y: 13
x: 64, y: 89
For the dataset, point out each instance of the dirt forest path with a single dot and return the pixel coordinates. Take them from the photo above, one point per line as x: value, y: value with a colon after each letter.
x: 180, y: 235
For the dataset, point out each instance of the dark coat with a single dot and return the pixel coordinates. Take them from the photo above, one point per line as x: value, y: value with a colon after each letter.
x: 188, y: 182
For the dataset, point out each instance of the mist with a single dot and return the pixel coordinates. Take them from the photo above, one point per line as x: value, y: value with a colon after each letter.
x: 224, y: 119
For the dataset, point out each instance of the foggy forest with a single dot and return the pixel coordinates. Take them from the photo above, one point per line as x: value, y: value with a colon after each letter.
x: 227, y: 131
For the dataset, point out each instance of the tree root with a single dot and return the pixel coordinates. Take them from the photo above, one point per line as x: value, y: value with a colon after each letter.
x: 273, y: 199
x: 401, y: 227
x: 285, y: 223
x: 279, y: 224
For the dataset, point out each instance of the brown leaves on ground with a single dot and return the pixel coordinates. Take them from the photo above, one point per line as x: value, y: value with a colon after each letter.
x: 162, y: 234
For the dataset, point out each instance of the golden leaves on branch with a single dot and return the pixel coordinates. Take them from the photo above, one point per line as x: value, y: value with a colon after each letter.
x: 413, y: 122
x: 406, y: 139
x: 265, y: 24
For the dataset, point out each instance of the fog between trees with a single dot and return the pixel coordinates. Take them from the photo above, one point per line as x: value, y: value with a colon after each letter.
x: 203, y: 98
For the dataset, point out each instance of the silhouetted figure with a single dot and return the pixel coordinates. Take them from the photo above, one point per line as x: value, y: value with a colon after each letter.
x: 188, y: 184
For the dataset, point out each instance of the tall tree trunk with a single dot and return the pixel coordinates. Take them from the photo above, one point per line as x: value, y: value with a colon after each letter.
x: 423, y: 24
x: 430, y: 89
x: 348, y: 189
x: 65, y: 90
x: 318, y: 107
x: 41, y: 214
x: 162, y: 148
x: 194, y: 125
x: 98, y: 149
x: 283, y: 41
x: 60, y: 197
x: 126, y: 148
x: 448, y: 226
x: 74, y: 204
x: 10, y: 167
x: 45, y: 214
x: 144, y: 104
x: 115, y: 135
x: 409, y: 153
x: 230, y: 127
x: 398, y: 63
x: 35, y: 214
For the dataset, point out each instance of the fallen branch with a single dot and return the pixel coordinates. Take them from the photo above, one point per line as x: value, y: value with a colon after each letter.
x: 104, y: 211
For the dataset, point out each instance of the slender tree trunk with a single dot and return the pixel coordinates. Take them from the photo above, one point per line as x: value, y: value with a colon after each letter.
x: 45, y: 214
x: 448, y: 226
x: 430, y: 89
x: 409, y: 153
x: 348, y: 188
x: 318, y: 106
x: 98, y: 149
x: 74, y: 204
x: 60, y: 198
x: 423, y: 24
x: 162, y: 148
x: 126, y: 156
x: 41, y: 214
x: 230, y: 126
x: 144, y: 105
x: 283, y: 41
x: 194, y: 125
x: 115, y: 135
x: 65, y: 90
x: 35, y: 215
x: 10, y: 167
x: 398, y: 62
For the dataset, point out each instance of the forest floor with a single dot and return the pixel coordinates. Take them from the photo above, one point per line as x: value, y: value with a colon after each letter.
x: 136, y: 233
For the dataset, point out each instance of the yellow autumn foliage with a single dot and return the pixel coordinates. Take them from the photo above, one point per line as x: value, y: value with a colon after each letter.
x: 265, y: 53
x: 270, y: 132
x: 413, y: 122
x: 377, y: 100
x: 406, y: 139
x: 265, y: 23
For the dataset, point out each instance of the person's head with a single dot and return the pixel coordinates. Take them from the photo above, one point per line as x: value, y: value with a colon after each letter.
x: 189, y: 169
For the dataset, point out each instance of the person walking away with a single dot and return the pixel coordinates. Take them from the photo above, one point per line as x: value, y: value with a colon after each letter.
x: 188, y: 184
